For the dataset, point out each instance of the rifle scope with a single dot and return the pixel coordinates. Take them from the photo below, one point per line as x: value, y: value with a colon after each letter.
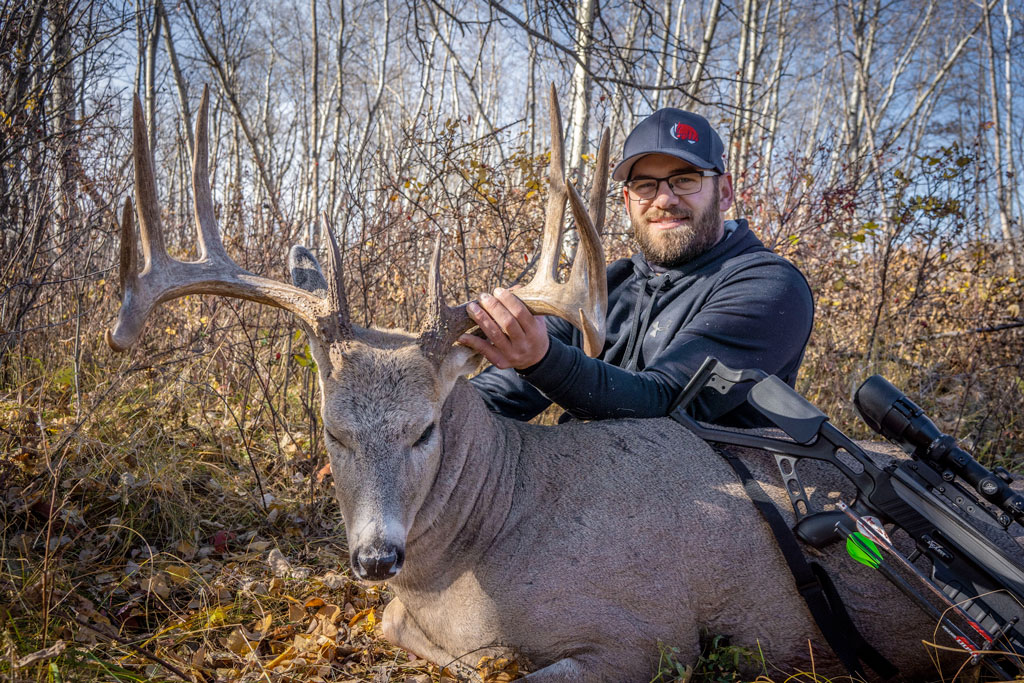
x: 889, y: 412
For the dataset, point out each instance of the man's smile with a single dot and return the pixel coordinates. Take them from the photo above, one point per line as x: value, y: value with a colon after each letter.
x: 668, y: 222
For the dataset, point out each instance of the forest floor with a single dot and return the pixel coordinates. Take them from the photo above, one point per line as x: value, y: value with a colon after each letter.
x: 163, y: 527
x: 140, y: 544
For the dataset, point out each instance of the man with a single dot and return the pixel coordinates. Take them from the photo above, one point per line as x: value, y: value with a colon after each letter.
x: 700, y: 286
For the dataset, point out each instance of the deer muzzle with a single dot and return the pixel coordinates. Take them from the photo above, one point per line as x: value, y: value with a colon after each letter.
x: 378, y: 562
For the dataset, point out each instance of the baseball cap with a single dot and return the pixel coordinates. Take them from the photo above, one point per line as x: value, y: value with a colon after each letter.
x: 676, y: 133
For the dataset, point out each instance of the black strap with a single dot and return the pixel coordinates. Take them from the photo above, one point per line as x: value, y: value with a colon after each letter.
x: 815, y: 586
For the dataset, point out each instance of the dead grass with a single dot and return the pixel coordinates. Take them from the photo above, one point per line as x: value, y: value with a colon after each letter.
x: 140, y: 495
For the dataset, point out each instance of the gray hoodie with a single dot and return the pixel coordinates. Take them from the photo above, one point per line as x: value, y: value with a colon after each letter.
x: 738, y: 302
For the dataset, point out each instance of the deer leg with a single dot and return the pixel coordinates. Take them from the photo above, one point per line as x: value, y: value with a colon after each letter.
x: 400, y: 628
x: 609, y: 665
x: 568, y: 669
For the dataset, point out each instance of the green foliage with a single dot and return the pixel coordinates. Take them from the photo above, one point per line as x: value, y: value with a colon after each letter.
x: 719, y: 662
x: 670, y: 669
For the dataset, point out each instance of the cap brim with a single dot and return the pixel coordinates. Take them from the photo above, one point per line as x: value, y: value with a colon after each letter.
x: 621, y: 171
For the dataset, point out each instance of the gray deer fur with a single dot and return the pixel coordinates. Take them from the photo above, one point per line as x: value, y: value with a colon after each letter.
x: 579, y: 547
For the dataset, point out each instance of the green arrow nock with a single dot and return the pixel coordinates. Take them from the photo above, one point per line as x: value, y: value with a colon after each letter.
x: 863, y: 549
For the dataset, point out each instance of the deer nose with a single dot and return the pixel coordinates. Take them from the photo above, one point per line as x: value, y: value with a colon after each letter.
x: 377, y: 563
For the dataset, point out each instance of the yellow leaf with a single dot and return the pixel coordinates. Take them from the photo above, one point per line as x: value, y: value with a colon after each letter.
x: 179, y: 573
x: 360, y: 615
x: 304, y: 642
x: 287, y: 655
x: 238, y: 643
x: 263, y: 625
x: 216, y: 616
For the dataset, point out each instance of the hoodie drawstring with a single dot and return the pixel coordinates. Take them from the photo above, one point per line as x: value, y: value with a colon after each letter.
x: 640, y: 322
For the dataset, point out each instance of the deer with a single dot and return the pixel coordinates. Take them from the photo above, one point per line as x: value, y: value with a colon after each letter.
x: 580, y: 548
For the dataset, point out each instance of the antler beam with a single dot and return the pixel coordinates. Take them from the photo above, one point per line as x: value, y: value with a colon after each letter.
x: 163, y: 278
x: 583, y: 299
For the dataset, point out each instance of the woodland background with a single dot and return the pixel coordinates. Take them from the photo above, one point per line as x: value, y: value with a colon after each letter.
x: 875, y: 144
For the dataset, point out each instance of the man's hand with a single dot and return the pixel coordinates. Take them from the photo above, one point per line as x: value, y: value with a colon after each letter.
x: 515, y: 338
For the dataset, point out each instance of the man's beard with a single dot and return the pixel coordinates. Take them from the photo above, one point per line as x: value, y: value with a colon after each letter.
x: 676, y: 247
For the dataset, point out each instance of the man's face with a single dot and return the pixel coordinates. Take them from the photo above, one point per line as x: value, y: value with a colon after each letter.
x: 673, y: 230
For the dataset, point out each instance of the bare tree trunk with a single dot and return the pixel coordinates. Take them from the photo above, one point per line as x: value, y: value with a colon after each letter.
x: 232, y: 97
x: 179, y: 79
x: 581, y: 81
x: 64, y: 108
x: 467, y: 77
x: 312, y: 220
x: 374, y: 105
x: 620, y: 98
x: 746, y: 69
x: 1002, y: 198
x: 1013, y: 190
x: 338, y: 111
x: 678, y: 40
x: 661, y: 58
x: 531, y: 87
x: 770, y: 113
x: 152, y: 42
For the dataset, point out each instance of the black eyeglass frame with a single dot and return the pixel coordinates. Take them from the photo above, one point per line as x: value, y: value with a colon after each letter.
x: 703, y: 173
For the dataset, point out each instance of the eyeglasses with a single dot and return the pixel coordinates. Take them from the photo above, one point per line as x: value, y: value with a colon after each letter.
x: 681, y: 184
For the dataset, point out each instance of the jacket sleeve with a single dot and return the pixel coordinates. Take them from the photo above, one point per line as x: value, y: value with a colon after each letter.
x: 757, y: 317
x: 508, y: 393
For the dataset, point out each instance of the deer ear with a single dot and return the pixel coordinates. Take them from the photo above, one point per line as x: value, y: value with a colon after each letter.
x: 459, y: 362
x: 306, y: 272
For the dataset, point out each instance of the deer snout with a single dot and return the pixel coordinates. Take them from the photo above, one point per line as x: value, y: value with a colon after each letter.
x: 377, y: 562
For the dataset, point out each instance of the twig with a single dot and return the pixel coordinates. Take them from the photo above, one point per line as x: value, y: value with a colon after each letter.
x: 135, y: 648
x: 975, y: 330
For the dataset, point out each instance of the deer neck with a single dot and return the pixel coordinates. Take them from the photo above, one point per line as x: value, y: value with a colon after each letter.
x: 471, y: 495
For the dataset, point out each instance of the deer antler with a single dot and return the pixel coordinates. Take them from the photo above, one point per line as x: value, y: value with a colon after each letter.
x: 583, y: 299
x: 163, y: 278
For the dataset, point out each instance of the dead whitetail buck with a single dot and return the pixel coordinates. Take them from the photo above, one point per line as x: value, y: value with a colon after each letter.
x: 580, y: 547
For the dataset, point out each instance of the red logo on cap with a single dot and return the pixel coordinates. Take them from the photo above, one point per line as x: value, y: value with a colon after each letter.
x: 683, y: 131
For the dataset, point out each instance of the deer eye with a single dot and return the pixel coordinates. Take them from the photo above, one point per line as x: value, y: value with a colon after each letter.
x: 331, y: 438
x: 425, y: 436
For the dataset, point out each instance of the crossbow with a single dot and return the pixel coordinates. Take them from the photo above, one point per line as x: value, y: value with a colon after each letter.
x: 952, y: 508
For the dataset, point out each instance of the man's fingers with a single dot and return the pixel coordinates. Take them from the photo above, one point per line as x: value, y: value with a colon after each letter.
x: 486, y: 349
x: 500, y: 313
x: 533, y: 326
x: 516, y: 308
x: 515, y: 338
x: 495, y: 334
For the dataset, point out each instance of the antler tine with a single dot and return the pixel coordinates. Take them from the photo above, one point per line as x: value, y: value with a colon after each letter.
x: 599, y: 188
x: 163, y: 278
x: 335, y: 285
x: 146, y: 205
x: 129, y: 258
x: 434, y: 283
x: 445, y: 324
x: 551, y: 241
x: 582, y: 300
x: 587, y: 282
x: 206, y: 221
